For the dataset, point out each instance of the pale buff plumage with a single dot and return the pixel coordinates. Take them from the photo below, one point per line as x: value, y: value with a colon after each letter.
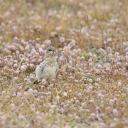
x: 48, y: 67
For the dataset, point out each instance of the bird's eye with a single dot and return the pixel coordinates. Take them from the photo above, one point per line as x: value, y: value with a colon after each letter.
x: 49, y: 50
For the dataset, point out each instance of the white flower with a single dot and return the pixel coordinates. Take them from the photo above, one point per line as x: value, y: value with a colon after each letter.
x: 65, y: 94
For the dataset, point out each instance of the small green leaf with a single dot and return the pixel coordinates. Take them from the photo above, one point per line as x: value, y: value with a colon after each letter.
x: 104, y: 120
x: 42, y: 110
x: 125, y: 100
x: 80, y: 100
x: 72, y: 124
x: 85, y: 114
x: 82, y: 54
x: 98, y: 58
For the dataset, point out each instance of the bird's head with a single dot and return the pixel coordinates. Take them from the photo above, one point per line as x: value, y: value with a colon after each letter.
x: 51, y: 51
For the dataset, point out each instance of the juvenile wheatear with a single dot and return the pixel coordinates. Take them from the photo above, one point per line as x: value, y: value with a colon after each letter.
x: 48, y: 67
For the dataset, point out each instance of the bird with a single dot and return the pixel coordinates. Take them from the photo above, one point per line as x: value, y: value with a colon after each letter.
x: 48, y: 68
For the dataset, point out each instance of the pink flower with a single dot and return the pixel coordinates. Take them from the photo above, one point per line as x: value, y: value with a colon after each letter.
x: 91, y: 101
x: 17, y: 52
x: 105, y: 42
x: 65, y: 94
x: 27, y: 48
x: 16, y: 72
x: 90, y: 54
x: 37, y: 46
x: 41, y: 51
x: 126, y: 57
x: 42, y: 46
x: 15, y: 65
x: 47, y: 42
x: 72, y: 43
x: 96, y: 84
x: 66, y: 49
x: 21, y: 48
x: 108, y: 108
x: 77, y: 102
x: 98, y: 79
x: 79, y: 14
x: 8, y: 97
x: 15, y: 39
x: 116, y: 54
x: 79, y: 94
x: 109, y: 39
x: 87, y: 110
x: 81, y: 4
x: 1, y: 37
x: 12, y: 106
x: 32, y: 65
x: 62, y: 39
x: 92, y: 115
x: 115, y: 100
x: 23, y: 68
x: 109, y: 49
x: 84, y: 105
x: 57, y: 98
x: 3, y: 92
x: 90, y: 80
x: 82, y: 58
x: 111, y: 101
x: 21, y: 117
x: 100, y: 95
x: 19, y: 94
x: 119, y: 83
x: 118, y: 58
x: 102, y: 51
x: 52, y: 34
x: 58, y: 28
x: 115, y: 112
x: 12, y: 47
x: 79, y: 51
x: 110, y: 55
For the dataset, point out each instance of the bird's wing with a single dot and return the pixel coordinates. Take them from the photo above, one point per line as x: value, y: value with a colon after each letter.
x: 41, y: 67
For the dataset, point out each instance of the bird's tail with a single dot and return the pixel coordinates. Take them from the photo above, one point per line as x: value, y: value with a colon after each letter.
x: 36, y: 82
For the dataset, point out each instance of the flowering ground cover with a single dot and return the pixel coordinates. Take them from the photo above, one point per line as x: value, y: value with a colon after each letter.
x: 91, y: 86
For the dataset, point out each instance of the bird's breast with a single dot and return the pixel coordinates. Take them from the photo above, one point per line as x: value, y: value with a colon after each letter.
x: 51, y: 68
x: 51, y: 65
